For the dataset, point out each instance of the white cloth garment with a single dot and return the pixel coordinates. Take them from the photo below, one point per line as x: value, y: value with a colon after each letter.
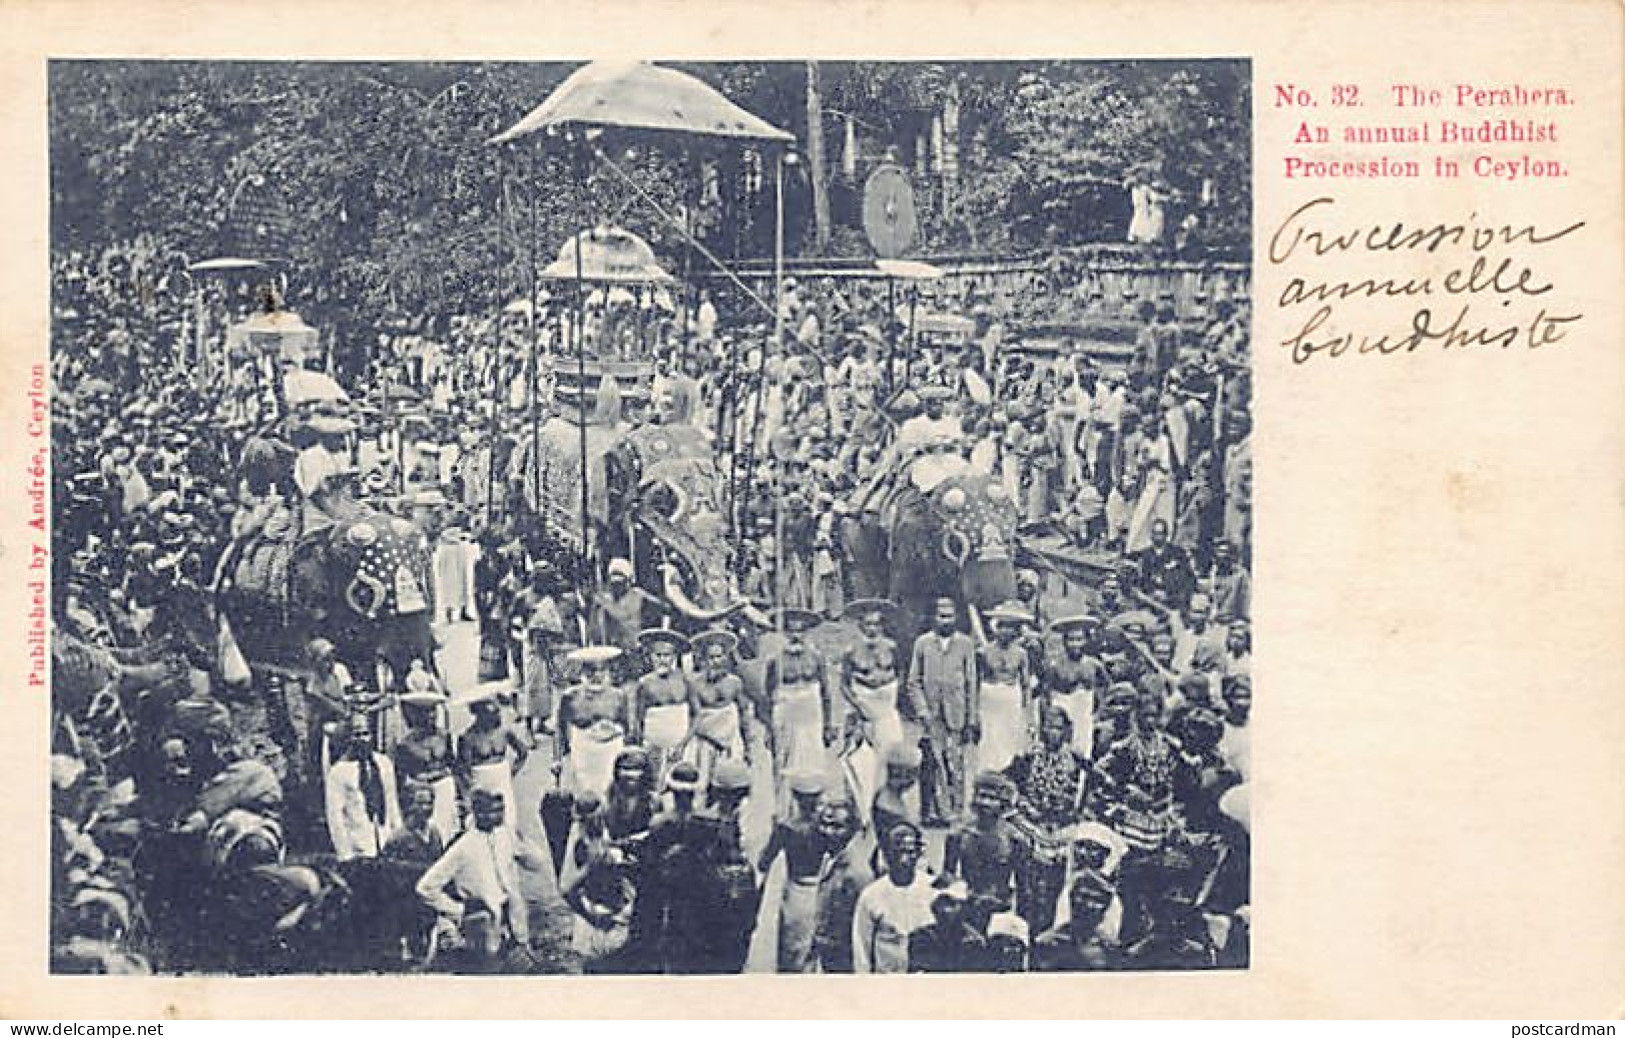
x: 886, y: 915
x: 482, y: 867
x: 353, y: 832
x: 1004, y: 726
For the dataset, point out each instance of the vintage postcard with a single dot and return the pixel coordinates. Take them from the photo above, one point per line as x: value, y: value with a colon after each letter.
x: 1116, y: 501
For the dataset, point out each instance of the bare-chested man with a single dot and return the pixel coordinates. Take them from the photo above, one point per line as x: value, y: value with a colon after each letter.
x: 868, y: 675
x: 1005, y: 672
x: 987, y: 850
x: 663, y: 711
x: 803, y: 714
x: 798, y: 838
x: 1074, y: 680
x: 490, y: 752
x: 594, y: 716
x: 717, y: 731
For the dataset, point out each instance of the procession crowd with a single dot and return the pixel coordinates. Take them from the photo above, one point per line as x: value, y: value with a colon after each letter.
x: 1059, y: 782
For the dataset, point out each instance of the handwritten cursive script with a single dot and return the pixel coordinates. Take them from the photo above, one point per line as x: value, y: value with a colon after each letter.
x: 1444, y: 268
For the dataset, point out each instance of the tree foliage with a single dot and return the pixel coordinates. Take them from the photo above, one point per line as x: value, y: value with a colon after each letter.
x: 376, y: 184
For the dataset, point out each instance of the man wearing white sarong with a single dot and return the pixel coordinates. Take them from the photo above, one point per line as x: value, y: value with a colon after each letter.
x: 662, y: 710
x: 868, y: 674
x: 718, y: 732
x: 1073, y: 679
x: 1006, y: 690
x: 593, y: 720
x: 803, y: 726
x: 489, y: 753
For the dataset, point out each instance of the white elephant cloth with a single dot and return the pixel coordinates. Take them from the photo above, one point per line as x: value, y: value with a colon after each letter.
x: 1004, y: 726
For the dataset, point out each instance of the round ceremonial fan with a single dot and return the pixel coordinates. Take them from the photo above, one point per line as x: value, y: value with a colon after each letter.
x: 888, y: 212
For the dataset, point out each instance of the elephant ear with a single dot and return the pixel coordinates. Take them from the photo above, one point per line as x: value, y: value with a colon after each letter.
x: 621, y: 476
x: 918, y: 567
x: 310, y: 570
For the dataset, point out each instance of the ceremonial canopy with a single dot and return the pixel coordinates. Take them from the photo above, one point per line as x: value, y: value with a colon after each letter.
x: 638, y: 95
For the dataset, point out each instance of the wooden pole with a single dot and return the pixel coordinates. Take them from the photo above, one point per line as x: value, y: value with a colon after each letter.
x: 534, y: 382
x: 494, y: 395
x: 778, y: 344
x: 891, y: 336
x: 583, y: 176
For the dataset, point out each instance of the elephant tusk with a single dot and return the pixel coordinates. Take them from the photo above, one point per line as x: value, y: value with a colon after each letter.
x: 683, y: 604
x: 755, y: 616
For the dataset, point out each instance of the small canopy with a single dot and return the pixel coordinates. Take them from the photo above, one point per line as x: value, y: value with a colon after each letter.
x: 222, y: 263
x: 913, y: 270
x: 281, y: 332
x: 608, y: 254
x: 304, y: 387
x: 932, y: 322
x: 638, y: 95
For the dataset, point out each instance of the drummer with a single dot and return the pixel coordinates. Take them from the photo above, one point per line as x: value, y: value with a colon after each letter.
x: 490, y: 752
x: 868, y: 676
x: 1073, y: 678
x: 663, y: 700
x: 594, y: 716
x: 719, y: 696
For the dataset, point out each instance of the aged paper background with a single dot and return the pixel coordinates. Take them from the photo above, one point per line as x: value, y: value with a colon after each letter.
x: 1439, y: 826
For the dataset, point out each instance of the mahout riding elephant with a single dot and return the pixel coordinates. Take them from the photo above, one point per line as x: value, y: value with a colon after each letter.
x: 655, y: 496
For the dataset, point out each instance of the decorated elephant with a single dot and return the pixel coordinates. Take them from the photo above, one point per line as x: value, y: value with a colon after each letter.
x: 655, y: 497
x: 944, y: 531
x: 344, y: 572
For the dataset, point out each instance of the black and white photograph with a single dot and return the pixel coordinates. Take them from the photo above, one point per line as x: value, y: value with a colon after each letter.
x: 656, y: 517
